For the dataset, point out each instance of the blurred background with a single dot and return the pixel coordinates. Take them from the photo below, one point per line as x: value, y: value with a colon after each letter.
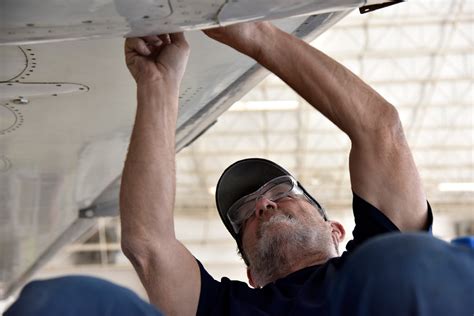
x: 418, y: 55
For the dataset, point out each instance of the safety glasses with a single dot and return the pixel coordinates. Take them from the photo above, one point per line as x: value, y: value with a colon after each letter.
x: 274, y: 190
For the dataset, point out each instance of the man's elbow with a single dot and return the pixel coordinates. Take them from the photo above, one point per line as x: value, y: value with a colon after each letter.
x: 140, y: 251
x: 384, y: 127
x: 134, y: 252
x: 391, y: 126
x: 144, y: 251
x: 387, y: 118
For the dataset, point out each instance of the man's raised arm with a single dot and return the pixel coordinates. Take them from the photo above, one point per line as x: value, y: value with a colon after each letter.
x: 381, y: 165
x: 168, y: 271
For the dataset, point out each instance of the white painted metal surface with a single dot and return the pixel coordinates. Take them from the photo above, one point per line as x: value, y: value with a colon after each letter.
x: 29, y: 21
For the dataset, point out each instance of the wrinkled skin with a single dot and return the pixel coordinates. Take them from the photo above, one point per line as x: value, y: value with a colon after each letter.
x: 282, y: 236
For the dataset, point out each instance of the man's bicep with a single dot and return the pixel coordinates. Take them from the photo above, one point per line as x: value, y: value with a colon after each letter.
x: 171, y: 278
x: 383, y: 173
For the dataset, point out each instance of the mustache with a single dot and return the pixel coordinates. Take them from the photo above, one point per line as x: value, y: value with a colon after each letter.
x: 275, y: 219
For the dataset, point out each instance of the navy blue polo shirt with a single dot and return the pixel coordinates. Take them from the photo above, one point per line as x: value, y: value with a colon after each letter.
x: 302, y: 292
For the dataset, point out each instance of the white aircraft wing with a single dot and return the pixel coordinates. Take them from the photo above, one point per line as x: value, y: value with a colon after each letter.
x: 67, y: 107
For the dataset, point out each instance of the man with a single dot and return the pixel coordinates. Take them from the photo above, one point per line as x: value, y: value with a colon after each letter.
x: 283, y: 234
x: 285, y: 237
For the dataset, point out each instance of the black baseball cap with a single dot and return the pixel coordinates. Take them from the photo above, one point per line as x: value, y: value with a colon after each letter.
x: 244, y: 177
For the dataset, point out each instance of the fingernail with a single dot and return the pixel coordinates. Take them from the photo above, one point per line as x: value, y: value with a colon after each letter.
x: 145, y: 50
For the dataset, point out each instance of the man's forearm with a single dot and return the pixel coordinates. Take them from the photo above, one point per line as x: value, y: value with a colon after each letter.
x: 331, y: 88
x: 148, y: 180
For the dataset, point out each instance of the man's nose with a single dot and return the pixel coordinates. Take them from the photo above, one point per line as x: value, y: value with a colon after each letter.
x: 262, y: 205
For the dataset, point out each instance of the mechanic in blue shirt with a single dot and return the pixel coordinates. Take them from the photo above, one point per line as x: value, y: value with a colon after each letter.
x: 289, y: 244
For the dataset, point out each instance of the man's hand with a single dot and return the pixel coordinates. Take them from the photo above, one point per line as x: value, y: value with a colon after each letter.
x: 157, y: 57
x: 244, y: 37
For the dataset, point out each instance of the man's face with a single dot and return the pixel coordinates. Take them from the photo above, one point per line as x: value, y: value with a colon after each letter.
x: 269, y: 217
x: 281, y: 234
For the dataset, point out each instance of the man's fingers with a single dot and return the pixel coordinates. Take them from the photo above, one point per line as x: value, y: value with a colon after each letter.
x: 177, y: 37
x: 165, y: 38
x: 179, y: 40
x: 138, y: 45
x: 141, y: 45
x: 153, y: 40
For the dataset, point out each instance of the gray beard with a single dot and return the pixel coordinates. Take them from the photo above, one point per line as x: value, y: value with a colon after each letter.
x: 283, y: 240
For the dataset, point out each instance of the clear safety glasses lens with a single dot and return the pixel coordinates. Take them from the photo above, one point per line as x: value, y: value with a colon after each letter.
x: 273, y: 190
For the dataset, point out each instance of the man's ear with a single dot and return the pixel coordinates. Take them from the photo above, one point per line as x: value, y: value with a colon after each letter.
x: 250, y: 277
x: 337, y: 231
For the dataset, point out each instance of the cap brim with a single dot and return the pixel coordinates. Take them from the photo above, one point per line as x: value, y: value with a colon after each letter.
x: 242, y: 178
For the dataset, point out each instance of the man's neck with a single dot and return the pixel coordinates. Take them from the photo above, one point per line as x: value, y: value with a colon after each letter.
x: 299, y: 262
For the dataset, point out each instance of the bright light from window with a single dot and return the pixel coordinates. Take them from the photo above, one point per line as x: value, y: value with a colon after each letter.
x: 456, y: 187
x: 211, y: 190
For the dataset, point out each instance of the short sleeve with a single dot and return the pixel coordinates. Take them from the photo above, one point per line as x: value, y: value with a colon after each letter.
x: 371, y: 222
x: 227, y: 297
x: 209, y: 293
